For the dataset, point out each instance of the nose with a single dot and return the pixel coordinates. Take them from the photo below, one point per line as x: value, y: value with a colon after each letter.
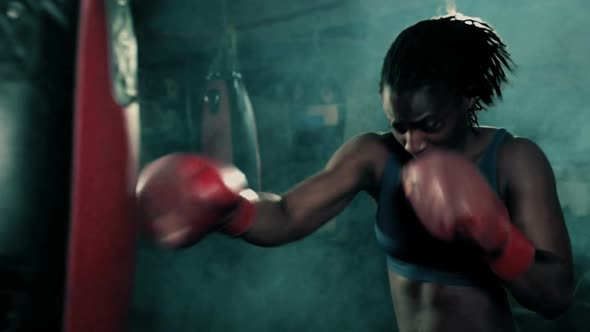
x: 415, y: 141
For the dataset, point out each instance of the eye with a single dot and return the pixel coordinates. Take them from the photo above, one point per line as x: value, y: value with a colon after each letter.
x: 430, y: 125
x: 399, y: 128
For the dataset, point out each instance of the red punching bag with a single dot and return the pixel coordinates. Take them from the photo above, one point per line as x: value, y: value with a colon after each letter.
x: 102, y: 232
x: 227, y: 122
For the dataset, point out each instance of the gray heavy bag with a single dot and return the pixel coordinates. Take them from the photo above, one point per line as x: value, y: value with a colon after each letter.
x: 227, y: 123
x: 37, y: 41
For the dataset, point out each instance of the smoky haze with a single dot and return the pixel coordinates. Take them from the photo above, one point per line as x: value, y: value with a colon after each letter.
x: 328, y: 59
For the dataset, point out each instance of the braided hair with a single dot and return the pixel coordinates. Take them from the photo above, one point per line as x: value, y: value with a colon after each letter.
x: 461, y: 53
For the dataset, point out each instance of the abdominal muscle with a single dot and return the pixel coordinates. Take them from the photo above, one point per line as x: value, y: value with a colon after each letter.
x: 427, y: 307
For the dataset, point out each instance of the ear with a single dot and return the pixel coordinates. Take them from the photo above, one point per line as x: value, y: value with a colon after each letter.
x: 467, y: 103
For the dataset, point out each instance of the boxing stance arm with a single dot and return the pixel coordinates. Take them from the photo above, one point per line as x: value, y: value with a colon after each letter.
x: 315, y: 201
x: 546, y: 287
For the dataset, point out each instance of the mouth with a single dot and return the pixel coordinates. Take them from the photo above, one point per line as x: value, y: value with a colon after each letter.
x: 419, y: 153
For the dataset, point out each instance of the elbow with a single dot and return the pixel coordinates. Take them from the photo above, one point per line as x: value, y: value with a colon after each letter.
x: 549, y: 302
x: 557, y: 304
x: 555, y: 310
x: 549, y: 291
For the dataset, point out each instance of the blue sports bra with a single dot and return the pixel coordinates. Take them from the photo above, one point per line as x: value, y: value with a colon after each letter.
x: 411, y: 251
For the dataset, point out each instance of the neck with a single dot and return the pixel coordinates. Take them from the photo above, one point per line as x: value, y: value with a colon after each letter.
x: 475, y: 143
x: 462, y: 139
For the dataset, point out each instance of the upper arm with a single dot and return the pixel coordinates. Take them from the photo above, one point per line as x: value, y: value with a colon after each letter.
x: 532, y: 197
x: 350, y: 170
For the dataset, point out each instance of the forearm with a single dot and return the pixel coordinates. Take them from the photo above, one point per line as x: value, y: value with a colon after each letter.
x: 282, y: 219
x: 272, y: 225
x: 546, y: 287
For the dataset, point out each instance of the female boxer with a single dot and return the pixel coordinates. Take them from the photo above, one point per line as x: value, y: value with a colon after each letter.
x: 465, y: 213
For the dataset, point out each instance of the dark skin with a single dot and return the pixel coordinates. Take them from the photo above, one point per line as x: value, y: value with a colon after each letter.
x: 420, y: 120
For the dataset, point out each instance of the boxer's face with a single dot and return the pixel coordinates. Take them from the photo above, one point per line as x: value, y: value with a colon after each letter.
x: 426, y: 118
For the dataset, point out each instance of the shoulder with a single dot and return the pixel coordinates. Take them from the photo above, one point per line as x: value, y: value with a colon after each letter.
x: 364, y: 154
x: 376, y: 143
x: 520, y: 159
x: 360, y: 148
x: 518, y: 150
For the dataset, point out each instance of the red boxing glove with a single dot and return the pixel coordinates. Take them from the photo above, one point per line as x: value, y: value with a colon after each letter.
x: 181, y: 198
x: 452, y: 199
